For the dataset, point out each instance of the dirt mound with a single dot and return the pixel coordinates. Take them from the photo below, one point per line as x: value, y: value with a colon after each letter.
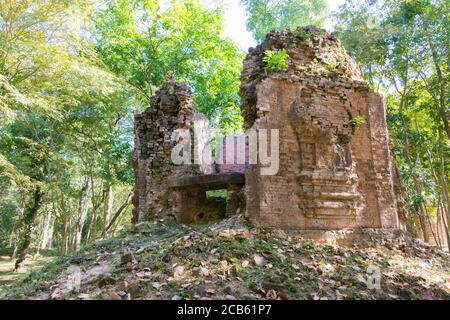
x: 233, y: 260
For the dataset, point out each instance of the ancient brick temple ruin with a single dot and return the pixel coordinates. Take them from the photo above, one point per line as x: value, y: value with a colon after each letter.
x: 164, y: 187
x: 335, y: 171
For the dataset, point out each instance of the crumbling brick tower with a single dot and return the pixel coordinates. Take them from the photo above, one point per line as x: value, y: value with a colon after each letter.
x: 335, y: 168
x: 171, y: 109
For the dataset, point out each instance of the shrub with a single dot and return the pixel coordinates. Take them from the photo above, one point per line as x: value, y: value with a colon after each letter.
x: 276, y: 61
x: 356, y: 122
x: 302, y: 34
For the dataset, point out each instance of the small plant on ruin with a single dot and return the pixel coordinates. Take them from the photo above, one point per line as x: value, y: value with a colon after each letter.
x: 303, y: 35
x: 331, y: 66
x: 356, y: 122
x: 276, y: 61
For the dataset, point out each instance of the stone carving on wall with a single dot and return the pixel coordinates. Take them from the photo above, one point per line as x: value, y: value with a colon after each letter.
x: 326, y: 183
x: 332, y: 176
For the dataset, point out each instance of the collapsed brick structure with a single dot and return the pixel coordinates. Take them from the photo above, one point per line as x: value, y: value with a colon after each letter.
x: 164, y: 187
x: 335, y: 166
x: 335, y: 171
x: 171, y: 109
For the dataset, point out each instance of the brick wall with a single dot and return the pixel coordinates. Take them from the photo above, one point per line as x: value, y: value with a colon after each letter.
x: 333, y: 174
x: 171, y: 109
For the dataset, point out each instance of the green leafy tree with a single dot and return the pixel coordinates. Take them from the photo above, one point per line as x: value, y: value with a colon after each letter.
x: 146, y: 42
x: 53, y: 90
x: 264, y: 16
x: 403, y: 49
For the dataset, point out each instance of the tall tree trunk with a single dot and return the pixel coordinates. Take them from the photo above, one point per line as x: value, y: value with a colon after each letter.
x: 122, y: 208
x: 29, y: 218
x: 440, y: 182
x: 417, y: 183
x: 16, y: 231
x: 82, y: 211
x: 12, y: 239
x: 430, y: 224
x: 95, y: 205
x: 70, y: 234
x: 46, y: 230
x: 443, y: 110
x: 109, y: 197
x: 64, y: 235
x: 48, y: 234
x: 444, y: 179
x: 41, y: 236
x: 444, y: 222
x: 94, y: 209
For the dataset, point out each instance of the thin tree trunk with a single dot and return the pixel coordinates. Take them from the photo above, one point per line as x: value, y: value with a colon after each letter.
x: 70, y: 235
x: 29, y: 218
x: 109, y: 197
x: 12, y: 238
x: 17, y: 231
x: 440, y: 226
x: 443, y: 110
x: 92, y: 226
x: 82, y: 211
x: 443, y: 179
x: 41, y: 236
x: 64, y: 235
x: 439, y: 223
x: 50, y: 240
x: 444, y: 222
x: 89, y: 230
x: 440, y: 181
x: 407, y: 155
x: 14, y: 254
x: 47, y: 226
x: 95, y: 206
x: 122, y: 208
x: 436, y: 239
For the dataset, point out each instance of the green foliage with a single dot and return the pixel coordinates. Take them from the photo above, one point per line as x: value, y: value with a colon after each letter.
x: 404, y: 53
x: 217, y: 194
x: 302, y: 35
x: 8, y: 209
x: 276, y: 61
x: 356, y: 122
x: 63, y: 114
x: 145, y: 42
x: 267, y: 15
x: 72, y: 76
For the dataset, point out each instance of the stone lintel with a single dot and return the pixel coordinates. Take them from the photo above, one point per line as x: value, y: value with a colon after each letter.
x: 209, y: 181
